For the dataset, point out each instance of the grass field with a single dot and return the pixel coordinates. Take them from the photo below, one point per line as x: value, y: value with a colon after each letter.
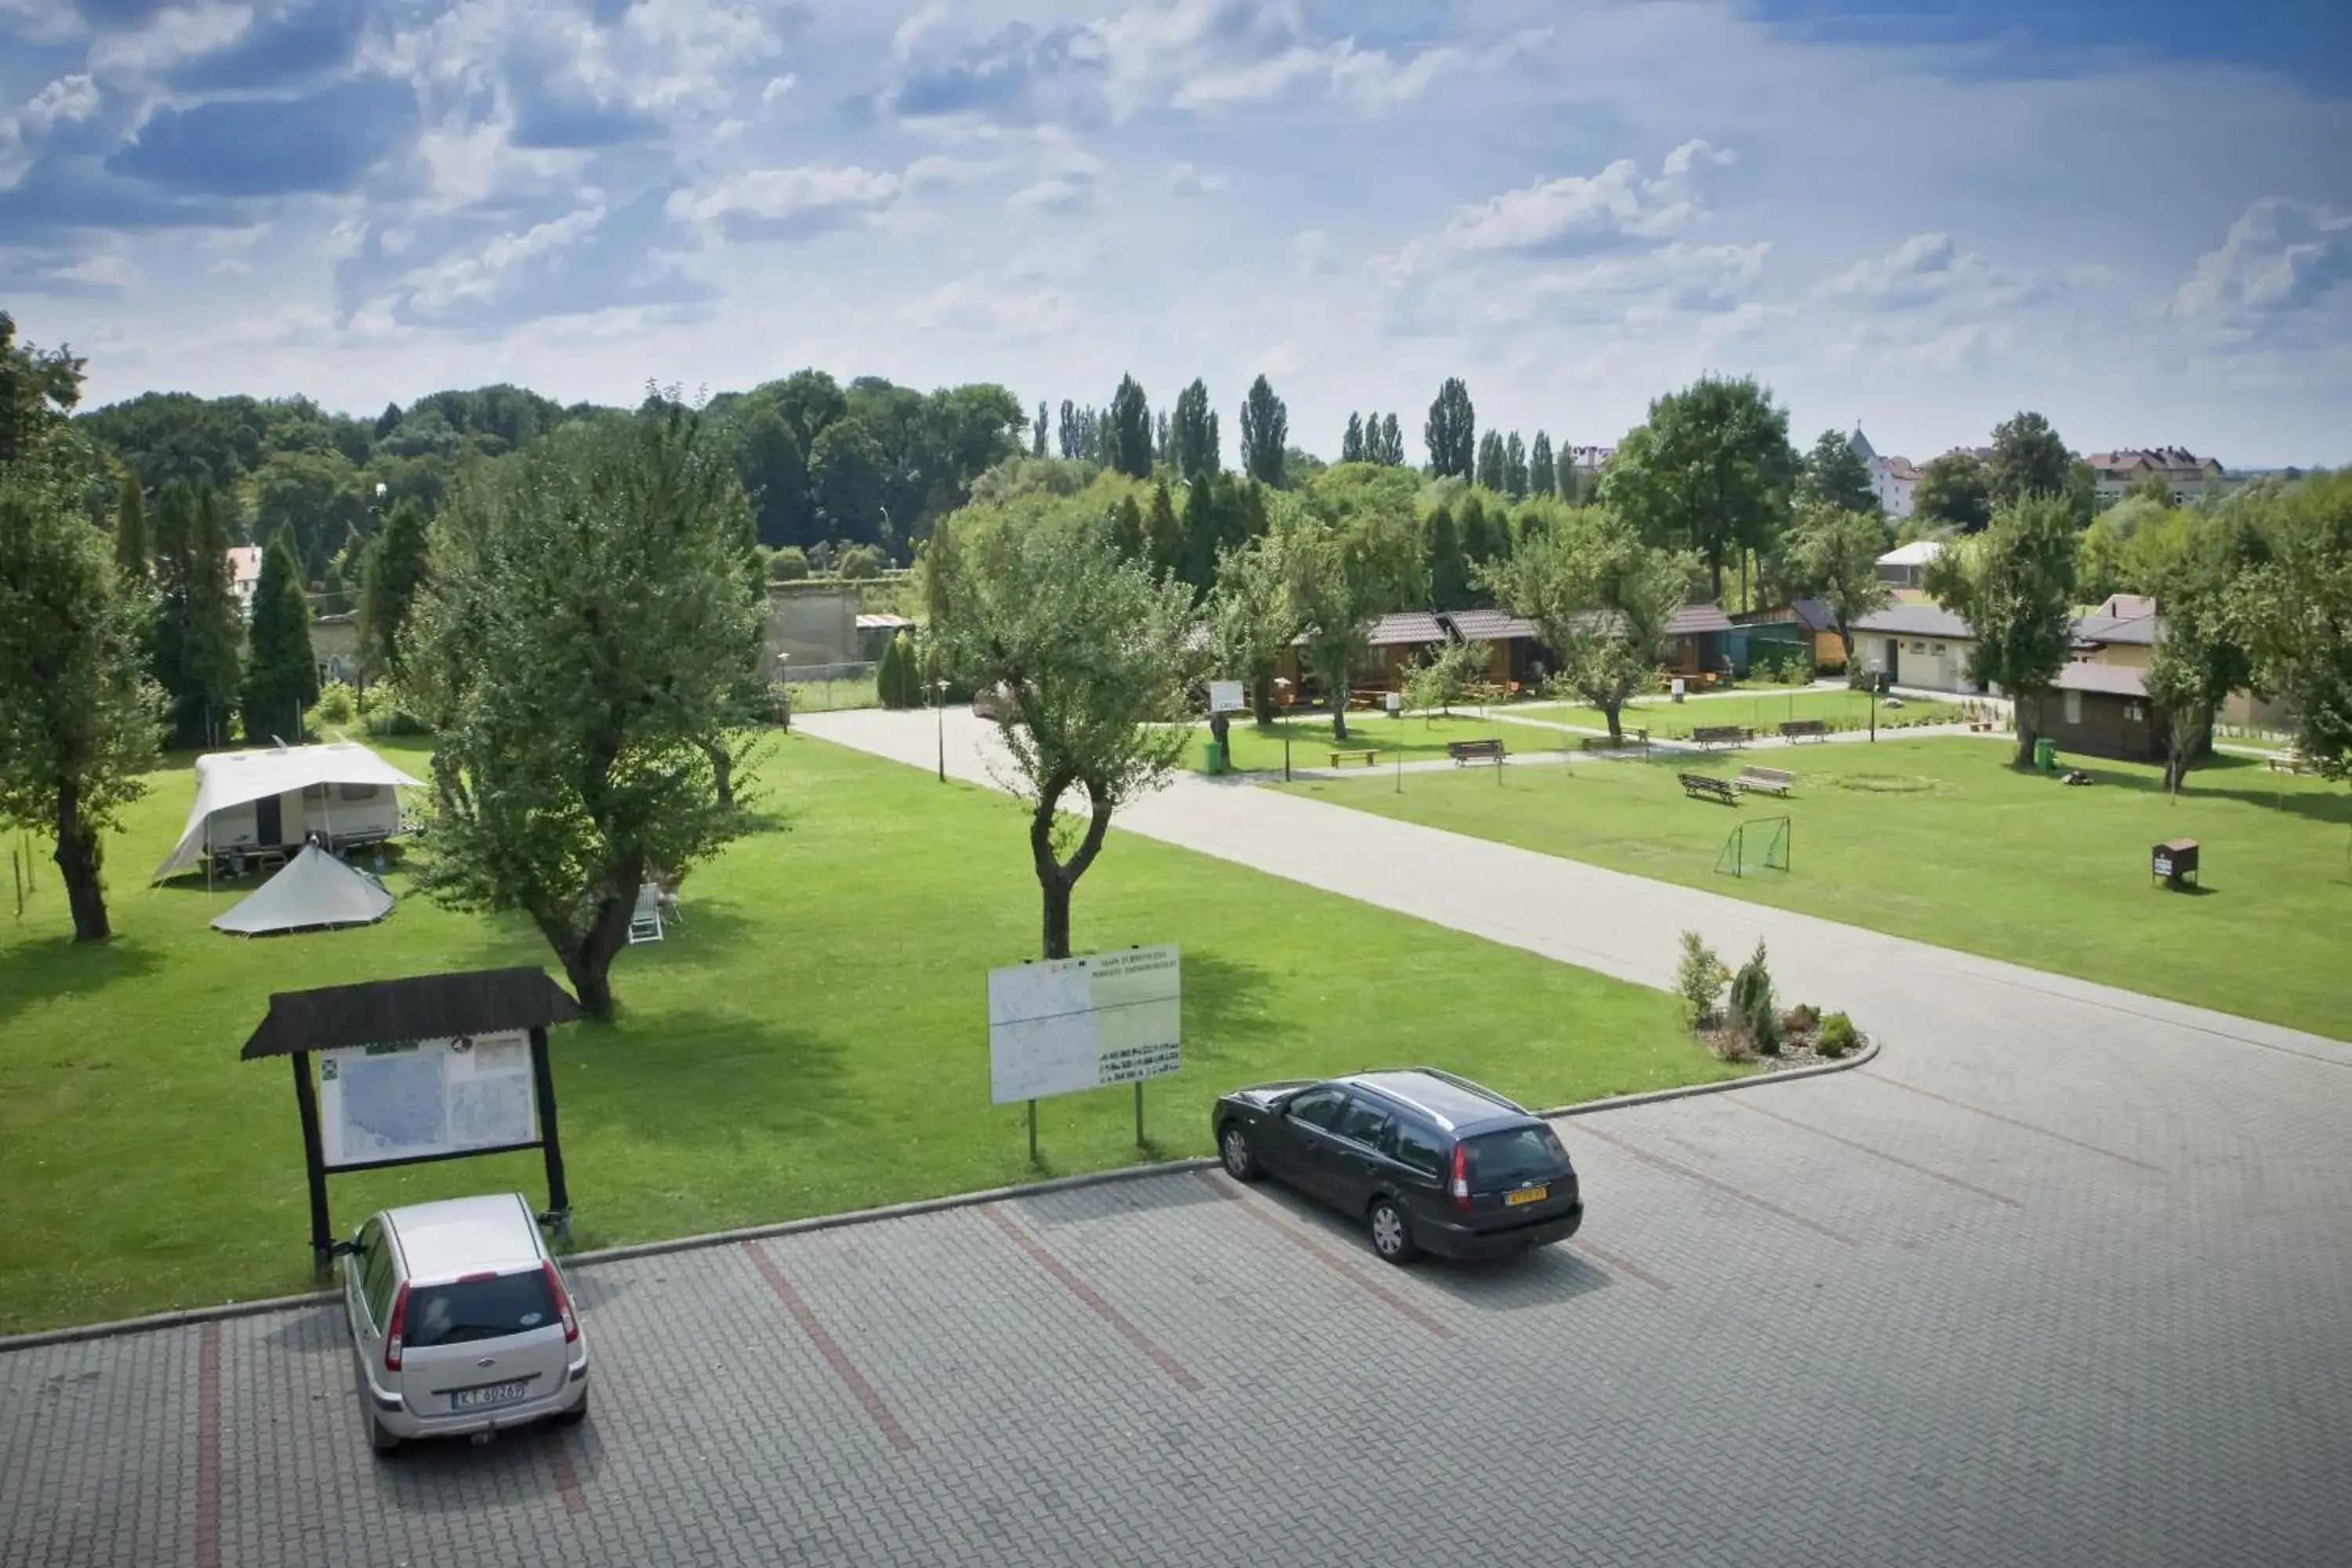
x: 1764, y: 712
x: 1258, y: 748
x: 812, y: 1040
x: 1942, y: 840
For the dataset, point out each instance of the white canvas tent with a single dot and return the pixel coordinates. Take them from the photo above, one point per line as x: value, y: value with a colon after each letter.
x: 276, y: 798
x: 315, y: 890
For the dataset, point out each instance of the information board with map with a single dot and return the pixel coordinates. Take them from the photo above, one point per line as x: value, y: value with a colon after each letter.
x: 1072, y: 1023
x: 425, y: 1098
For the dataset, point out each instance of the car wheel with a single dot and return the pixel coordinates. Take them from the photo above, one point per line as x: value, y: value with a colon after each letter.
x: 1234, y: 1149
x: 574, y: 1416
x: 1391, y: 1233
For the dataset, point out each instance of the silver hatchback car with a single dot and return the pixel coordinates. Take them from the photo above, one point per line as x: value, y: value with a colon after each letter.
x: 460, y: 1323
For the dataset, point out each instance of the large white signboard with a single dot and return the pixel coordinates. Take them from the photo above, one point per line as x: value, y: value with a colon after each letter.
x: 1082, y: 1023
x: 425, y: 1098
x: 1225, y: 697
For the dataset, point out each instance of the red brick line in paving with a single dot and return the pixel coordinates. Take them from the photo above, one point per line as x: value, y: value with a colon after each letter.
x: 1747, y: 1104
x: 2011, y: 1120
x: 826, y: 1346
x: 567, y: 1478
x: 1623, y: 1264
x: 1316, y: 1249
x: 208, y: 1442
x: 1020, y: 1237
x: 1587, y: 1126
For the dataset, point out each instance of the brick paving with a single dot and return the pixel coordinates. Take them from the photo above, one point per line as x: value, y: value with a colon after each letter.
x: 2064, y: 1276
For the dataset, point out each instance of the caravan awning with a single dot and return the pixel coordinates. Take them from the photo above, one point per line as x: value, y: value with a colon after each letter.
x: 233, y: 778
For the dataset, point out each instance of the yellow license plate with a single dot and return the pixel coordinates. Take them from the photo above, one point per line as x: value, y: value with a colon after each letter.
x: 1526, y: 1195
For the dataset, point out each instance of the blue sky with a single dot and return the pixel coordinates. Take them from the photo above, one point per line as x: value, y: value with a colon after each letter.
x: 2134, y: 215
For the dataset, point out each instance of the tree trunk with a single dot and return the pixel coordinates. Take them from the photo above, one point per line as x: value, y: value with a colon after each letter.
x: 1056, y: 879
x: 1262, y: 698
x: 2018, y: 705
x: 722, y: 772
x: 1221, y: 729
x: 1057, y: 917
x: 1339, y: 710
x: 1610, y: 710
x: 1845, y: 640
x: 78, y: 859
x: 588, y: 959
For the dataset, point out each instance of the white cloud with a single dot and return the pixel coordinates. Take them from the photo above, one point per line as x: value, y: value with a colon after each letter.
x: 172, y: 35
x: 2280, y: 256
x: 785, y: 201
x: 1185, y: 180
x: 63, y: 101
x: 105, y: 270
x: 910, y: 32
x: 480, y: 278
x: 229, y: 267
x: 1065, y: 193
x: 1618, y: 202
x: 968, y: 305
x: 778, y: 86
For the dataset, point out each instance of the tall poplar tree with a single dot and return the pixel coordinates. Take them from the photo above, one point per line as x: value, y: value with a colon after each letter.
x: 281, y: 674
x: 132, y: 547
x: 1515, y: 468
x: 1129, y: 430
x: 1543, y: 478
x: 1351, y: 445
x: 1266, y: 434
x: 1193, y: 439
x: 1452, y: 431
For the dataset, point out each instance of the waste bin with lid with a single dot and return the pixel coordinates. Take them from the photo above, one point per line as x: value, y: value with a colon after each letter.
x: 2045, y: 754
x: 1216, y: 759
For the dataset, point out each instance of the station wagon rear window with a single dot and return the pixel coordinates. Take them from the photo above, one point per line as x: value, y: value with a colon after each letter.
x: 1507, y: 1159
x: 473, y: 1310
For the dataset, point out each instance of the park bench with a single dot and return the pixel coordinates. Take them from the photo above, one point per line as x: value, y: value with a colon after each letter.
x: 1799, y: 728
x: 1697, y: 784
x: 1367, y: 755
x: 1474, y: 752
x: 1603, y: 743
x: 1769, y: 781
x: 2287, y: 763
x: 1719, y: 735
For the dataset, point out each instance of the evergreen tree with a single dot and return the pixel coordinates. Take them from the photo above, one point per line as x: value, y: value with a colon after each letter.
x: 1392, y: 442
x: 1543, y: 478
x: 1037, y: 432
x: 1833, y: 477
x: 388, y: 421
x: 396, y: 571
x: 1162, y: 447
x: 1163, y: 533
x: 1515, y: 468
x: 281, y: 679
x: 1192, y: 438
x: 1128, y: 445
x: 196, y: 630
x: 1449, y: 567
x: 1127, y: 531
x: 1491, y: 461
x: 1202, y: 527
x: 1266, y: 434
x: 1073, y: 431
x: 1451, y: 432
x: 131, y: 544
x: 1351, y: 445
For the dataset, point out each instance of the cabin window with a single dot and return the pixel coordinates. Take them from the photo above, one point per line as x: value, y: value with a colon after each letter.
x: 1918, y: 647
x: 2134, y: 713
x: 1939, y: 650
x: 2073, y: 707
x: 356, y: 791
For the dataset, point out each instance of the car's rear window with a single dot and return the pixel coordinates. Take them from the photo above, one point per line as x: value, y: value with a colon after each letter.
x: 1507, y: 1159
x: 479, y: 1309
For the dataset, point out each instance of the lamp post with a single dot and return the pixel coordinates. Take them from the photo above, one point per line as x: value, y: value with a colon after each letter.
x: 939, y: 716
x: 1282, y: 700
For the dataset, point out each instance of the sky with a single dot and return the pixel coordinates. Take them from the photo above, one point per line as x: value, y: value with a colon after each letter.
x: 2133, y: 215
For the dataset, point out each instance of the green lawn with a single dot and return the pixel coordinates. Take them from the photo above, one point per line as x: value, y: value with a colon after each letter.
x: 1940, y: 839
x: 1664, y: 716
x: 1258, y: 748
x: 812, y: 1040
x: 832, y: 695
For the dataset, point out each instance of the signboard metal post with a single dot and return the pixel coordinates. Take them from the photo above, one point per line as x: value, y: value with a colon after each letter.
x: 305, y: 1102
x: 543, y: 1086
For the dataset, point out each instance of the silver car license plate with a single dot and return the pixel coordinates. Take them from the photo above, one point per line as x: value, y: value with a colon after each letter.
x: 494, y: 1393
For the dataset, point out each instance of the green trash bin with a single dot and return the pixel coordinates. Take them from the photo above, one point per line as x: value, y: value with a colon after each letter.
x: 2045, y: 754
x: 1216, y: 758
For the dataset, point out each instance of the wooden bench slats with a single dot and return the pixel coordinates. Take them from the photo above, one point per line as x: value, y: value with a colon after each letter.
x: 1365, y: 755
x: 1697, y: 784
x: 1473, y: 751
x: 1771, y: 781
x: 1718, y: 735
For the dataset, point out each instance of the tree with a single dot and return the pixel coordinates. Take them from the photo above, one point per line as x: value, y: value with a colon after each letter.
x: 1076, y: 435
x: 315, y: 498
x: 1093, y: 651
x: 1834, y: 476
x: 1252, y: 618
x: 1448, y: 564
x: 2200, y: 655
x: 2294, y: 610
x: 2015, y: 585
x: 1163, y: 533
x: 1833, y: 556
x: 897, y: 681
x: 1492, y: 462
x: 1515, y: 468
x: 77, y: 714
x: 809, y: 402
x: 582, y: 647
x: 1600, y: 599
x: 1710, y: 472
x: 2028, y: 459
x: 36, y: 389
x: 1130, y: 431
x: 1193, y: 433
x: 1954, y: 489
x: 845, y: 477
x: 1452, y: 431
x: 197, y: 634
x: 1163, y: 449
x: 1346, y: 568
x: 1392, y: 443
x: 774, y: 468
x: 1543, y: 476
x: 395, y: 574
x: 281, y: 674
x: 1037, y: 431
x: 1438, y: 679
x: 1351, y: 445
x: 1266, y: 434
x: 131, y: 544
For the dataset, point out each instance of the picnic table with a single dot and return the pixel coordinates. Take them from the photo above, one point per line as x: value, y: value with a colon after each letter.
x: 2287, y: 763
x: 1475, y: 751
x: 1367, y: 755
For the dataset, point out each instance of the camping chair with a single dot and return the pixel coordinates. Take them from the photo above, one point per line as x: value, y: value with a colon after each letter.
x: 666, y: 901
x: 646, y: 923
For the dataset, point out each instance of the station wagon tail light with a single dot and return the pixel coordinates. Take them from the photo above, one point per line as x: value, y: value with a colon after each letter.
x: 562, y: 1303
x: 1461, y: 1183
x: 392, y: 1331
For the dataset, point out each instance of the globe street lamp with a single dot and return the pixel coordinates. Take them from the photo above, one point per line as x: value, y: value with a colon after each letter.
x: 940, y: 715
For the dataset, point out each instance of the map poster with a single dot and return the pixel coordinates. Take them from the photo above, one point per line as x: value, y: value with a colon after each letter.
x: 423, y: 1097
x: 1074, y: 1023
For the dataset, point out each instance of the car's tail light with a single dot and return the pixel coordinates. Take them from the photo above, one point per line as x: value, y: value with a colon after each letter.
x: 1461, y: 1183
x: 562, y: 1303
x: 394, y: 1330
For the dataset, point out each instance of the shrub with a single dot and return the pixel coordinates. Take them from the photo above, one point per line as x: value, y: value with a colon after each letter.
x: 383, y: 711
x: 862, y: 561
x: 788, y: 563
x: 338, y: 708
x: 1838, y: 1036
x: 1801, y: 1019
x: 1751, y: 1003
x: 897, y: 680
x: 1699, y: 978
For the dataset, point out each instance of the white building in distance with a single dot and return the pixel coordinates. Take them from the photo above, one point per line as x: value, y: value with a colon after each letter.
x: 1892, y: 479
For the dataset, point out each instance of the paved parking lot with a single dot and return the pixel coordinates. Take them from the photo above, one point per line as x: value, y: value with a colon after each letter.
x: 1921, y: 1312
